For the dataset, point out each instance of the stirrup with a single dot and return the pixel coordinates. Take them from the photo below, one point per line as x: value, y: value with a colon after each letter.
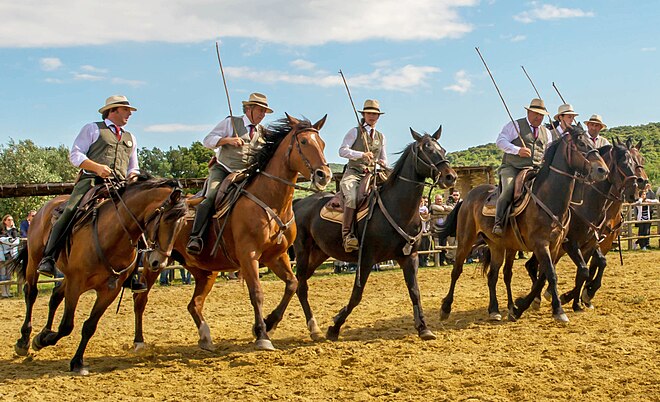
x: 351, y: 243
x: 195, y: 245
x: 47, y: 267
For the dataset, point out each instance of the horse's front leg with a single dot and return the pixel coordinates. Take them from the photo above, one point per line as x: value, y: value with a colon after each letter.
x: 409, y: 265
x: 139, y: 305
x: 581, y: 275
x: 47, y: 337
x: 548, y: 271
x: 204, y: 281
x: 250, y: 272
x: 356, y: 296
x: 281, y: 266
x: 55, y: 300
x: 507, y: 274
x: 30, y: 291
x: 496, y: 259
x: 596, y: 270
x: 104, y: 298
x: 306, y: 264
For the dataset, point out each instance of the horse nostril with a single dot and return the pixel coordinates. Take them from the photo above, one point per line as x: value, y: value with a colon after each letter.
x: 451, y: 178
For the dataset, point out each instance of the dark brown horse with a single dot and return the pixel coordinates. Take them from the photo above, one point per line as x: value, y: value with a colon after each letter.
x: 542, y: 224
x: 101, y: 255
x: 597, y: 220
x: 391, y: 233
x: 259, y: 229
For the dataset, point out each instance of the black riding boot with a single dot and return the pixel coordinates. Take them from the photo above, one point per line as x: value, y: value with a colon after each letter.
x: 500, y: 210
x: 350, y: 241
x: 47, y: 264
x: 202, y: 215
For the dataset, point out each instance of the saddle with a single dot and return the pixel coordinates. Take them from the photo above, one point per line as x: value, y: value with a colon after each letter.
x: 333, y: 210
x: 96, y: 196
x: 520, y: 195
x: 226, y: 193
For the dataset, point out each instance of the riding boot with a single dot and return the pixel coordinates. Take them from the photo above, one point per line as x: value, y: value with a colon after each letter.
x: 133, y: 283
x: 202, y: 215
x: 350, y: 241
x: 47, y: 264
x: 500, y: 211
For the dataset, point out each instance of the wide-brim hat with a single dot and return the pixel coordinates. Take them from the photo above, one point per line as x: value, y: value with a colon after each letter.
x: 566, y: 108
x: 259, y: 100
x: 595, y: 118
x: 537, y: 106
x: 116, y: 101
x: 371, y: 106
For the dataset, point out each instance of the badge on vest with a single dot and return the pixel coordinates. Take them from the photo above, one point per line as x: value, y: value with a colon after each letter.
x: 376, y: 142
x: 129, y: 143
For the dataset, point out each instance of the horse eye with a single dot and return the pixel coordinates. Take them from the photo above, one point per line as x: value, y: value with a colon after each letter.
x: 304, y: 141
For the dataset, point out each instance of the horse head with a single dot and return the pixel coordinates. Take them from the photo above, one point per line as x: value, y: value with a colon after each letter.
x: 582, y: 156
x: 431, y: 159
x: 161, y: 228
x: 638, y: 162
x: 622, y: 171
x: 308, y: 159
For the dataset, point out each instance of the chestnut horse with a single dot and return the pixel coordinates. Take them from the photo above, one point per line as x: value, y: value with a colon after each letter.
x: 542, y: 224
x: 259, y: 229
x: 101, y: 254
x: 392, y: 230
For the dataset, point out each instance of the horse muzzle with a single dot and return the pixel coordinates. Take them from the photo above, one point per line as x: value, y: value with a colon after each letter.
x: 321, y: 177
x: 156, y: 260
x: 598, y: 171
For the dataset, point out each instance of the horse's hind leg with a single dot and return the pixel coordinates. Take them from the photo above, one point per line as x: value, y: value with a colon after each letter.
x: 23, y: 343
x: 139, y: 304
x: 496, y: 259
x: 306, y: 264
x: 281, y: 266
x: 409, y: 267
x: 356, y: 296
x: 103, y: 299
x: 507, y: 274
x: 581, y: 275
x: 55, y: 300
x: 204, y: 281
x: 466, y: 239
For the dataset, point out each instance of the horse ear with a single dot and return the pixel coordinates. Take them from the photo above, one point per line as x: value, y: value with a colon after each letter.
x: 415, y: 136
x: 604, y: 149
x: 629, y: 143
x: 437, y: 134
x: 319, y: 124
x: 292, y: 120
x: 580, y: 126
x: 639, y: 145
x: 176, y: 196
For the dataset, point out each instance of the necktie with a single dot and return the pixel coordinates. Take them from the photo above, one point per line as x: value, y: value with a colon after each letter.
x: 117, y: 131
x: 535, y: 130
x: 251, y: 131
x: 371, y: 134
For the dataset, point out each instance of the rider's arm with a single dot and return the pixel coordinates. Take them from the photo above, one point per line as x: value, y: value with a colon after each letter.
x: 345, y: 150
x: 219, y: 133
x: 506, y: 137
x: 87, y: 136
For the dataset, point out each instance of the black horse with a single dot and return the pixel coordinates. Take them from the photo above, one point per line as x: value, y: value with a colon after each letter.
x: 391, y: 233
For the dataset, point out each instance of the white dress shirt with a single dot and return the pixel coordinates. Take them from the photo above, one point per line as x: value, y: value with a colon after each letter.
x: 224, y: 129
x: 87, y: 136
x: 509, y: 134
x: 345, y: 150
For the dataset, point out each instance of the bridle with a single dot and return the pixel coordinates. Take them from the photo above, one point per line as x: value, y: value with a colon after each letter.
x: 579, y: 174
x: 421, y: 156
x: 621, y: 179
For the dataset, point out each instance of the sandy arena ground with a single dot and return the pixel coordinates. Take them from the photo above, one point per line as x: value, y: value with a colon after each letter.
x: 611, y: 353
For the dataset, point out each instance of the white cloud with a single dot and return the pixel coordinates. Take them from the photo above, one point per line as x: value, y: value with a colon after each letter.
x: 54, y: 81
x: 87, y: 77
x: 648, y: 49
x: 518, y: 38
x: 303, y: 64
x: 403, y: 79
x: 50, y: 63
x: 185, y: 21
x: 177, y: 127
x: 546, y: 12
x: 92, y: 69
x: 462, y: 85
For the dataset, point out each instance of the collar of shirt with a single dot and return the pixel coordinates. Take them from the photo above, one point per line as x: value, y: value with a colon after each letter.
x: 110, y: 123
x: 247, y: 122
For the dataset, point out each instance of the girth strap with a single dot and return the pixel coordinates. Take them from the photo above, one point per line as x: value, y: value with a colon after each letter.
x: 411, y: 240
x: 282, y: 226
x: 115, y: 273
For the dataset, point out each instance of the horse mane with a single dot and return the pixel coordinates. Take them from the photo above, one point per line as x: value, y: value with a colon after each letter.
x: 273, y: 136
x: 398, y: 165
x: 550, y: 152
x: 146, y: 181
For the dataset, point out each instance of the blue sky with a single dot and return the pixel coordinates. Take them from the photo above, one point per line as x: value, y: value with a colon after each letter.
x: 58, y: 64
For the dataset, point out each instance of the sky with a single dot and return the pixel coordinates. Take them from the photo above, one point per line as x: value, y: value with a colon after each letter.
x: 60, y: 60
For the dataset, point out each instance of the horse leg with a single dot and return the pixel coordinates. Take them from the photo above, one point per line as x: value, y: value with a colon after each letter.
x: 204, y: 281
x: 409, y: 266
x: 281, y: 266
x: 462, y: 251
x: 547, y: 272
x: 496, y: 259
x: 532, y: 267
x: 306, y: 264
x: 250, y: 272
x: 139, y: 304
x: 47, y: 337
x: 507, y: 273
x: 356, y: 296
x: 581, y: 275
x: 103, y: 299
x: 598, y: 264
x: 55, y: 300
x: 30, y: 291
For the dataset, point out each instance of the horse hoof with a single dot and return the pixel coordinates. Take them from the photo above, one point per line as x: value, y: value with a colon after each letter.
x: 210, y: 347
x: 547, y: 296
x: 35, y: 344
x: 511, y: 317
x: 264, y: 344
x: 561, y: 318
x: 317, y: 336
x: 495, y: 317
x: 536, y: 303
x: 21, y: 350
x: 427, y: 335
x: 588, y: 305
x: 332, y: 335
x: 82, y: 371
x: 443, y: 315
x: 139, y: 346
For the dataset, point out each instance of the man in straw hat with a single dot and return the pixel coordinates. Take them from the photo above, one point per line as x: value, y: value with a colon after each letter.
x: 232, y: 153
x: 594, y: 126
x: 518, y: 155
x: 564, y: 118
x: 102, y: 149
x: 363, y: 147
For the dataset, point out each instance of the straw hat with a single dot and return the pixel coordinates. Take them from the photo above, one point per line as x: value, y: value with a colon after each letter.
x: 595, y: 118
x: 116, y: 101
x: 259, y: 100
x: 537, y: 106
x: 566, y: 108
x: 371, y: 106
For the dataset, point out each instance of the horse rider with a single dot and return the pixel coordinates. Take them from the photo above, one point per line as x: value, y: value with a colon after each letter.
x: 234, y: 140
x: 564, y: 118
x: 102, y: 149
x: 363, y: 146
x: 518, y: 155
x: 594, y: 126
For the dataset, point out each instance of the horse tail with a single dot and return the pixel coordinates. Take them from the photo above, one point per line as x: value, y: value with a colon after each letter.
x: 448, y: 228
x: 485, y: 261
x: 19, y: 263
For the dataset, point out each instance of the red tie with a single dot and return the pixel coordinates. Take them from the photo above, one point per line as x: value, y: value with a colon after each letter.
x: 371, y: 134
x: 536, y: 133
x: 117, y: 132
x: 251, y: 131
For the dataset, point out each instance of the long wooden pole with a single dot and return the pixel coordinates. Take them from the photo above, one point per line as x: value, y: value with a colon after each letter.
x: 359, y: 125
x: 224, y: 81
x: 554, y: 129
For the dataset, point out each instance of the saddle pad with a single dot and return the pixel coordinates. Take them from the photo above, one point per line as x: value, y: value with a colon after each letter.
x: 190, y: 215
x: 337, y: 217
x: 519, y: 205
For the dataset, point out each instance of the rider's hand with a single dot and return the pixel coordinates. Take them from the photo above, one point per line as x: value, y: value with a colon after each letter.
x: 235, y: 141
x: 368, y: 156
x: 524, y: 152
x: 104, y: 171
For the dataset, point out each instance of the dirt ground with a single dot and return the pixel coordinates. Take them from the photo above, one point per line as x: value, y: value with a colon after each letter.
x: 611, y: 353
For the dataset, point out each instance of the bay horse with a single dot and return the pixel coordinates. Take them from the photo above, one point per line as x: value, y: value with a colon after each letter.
x: 259, y: 229
x: 394, y: 227
x: 598, y: 221
x: 542, y: 224
x: 100, y: 255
